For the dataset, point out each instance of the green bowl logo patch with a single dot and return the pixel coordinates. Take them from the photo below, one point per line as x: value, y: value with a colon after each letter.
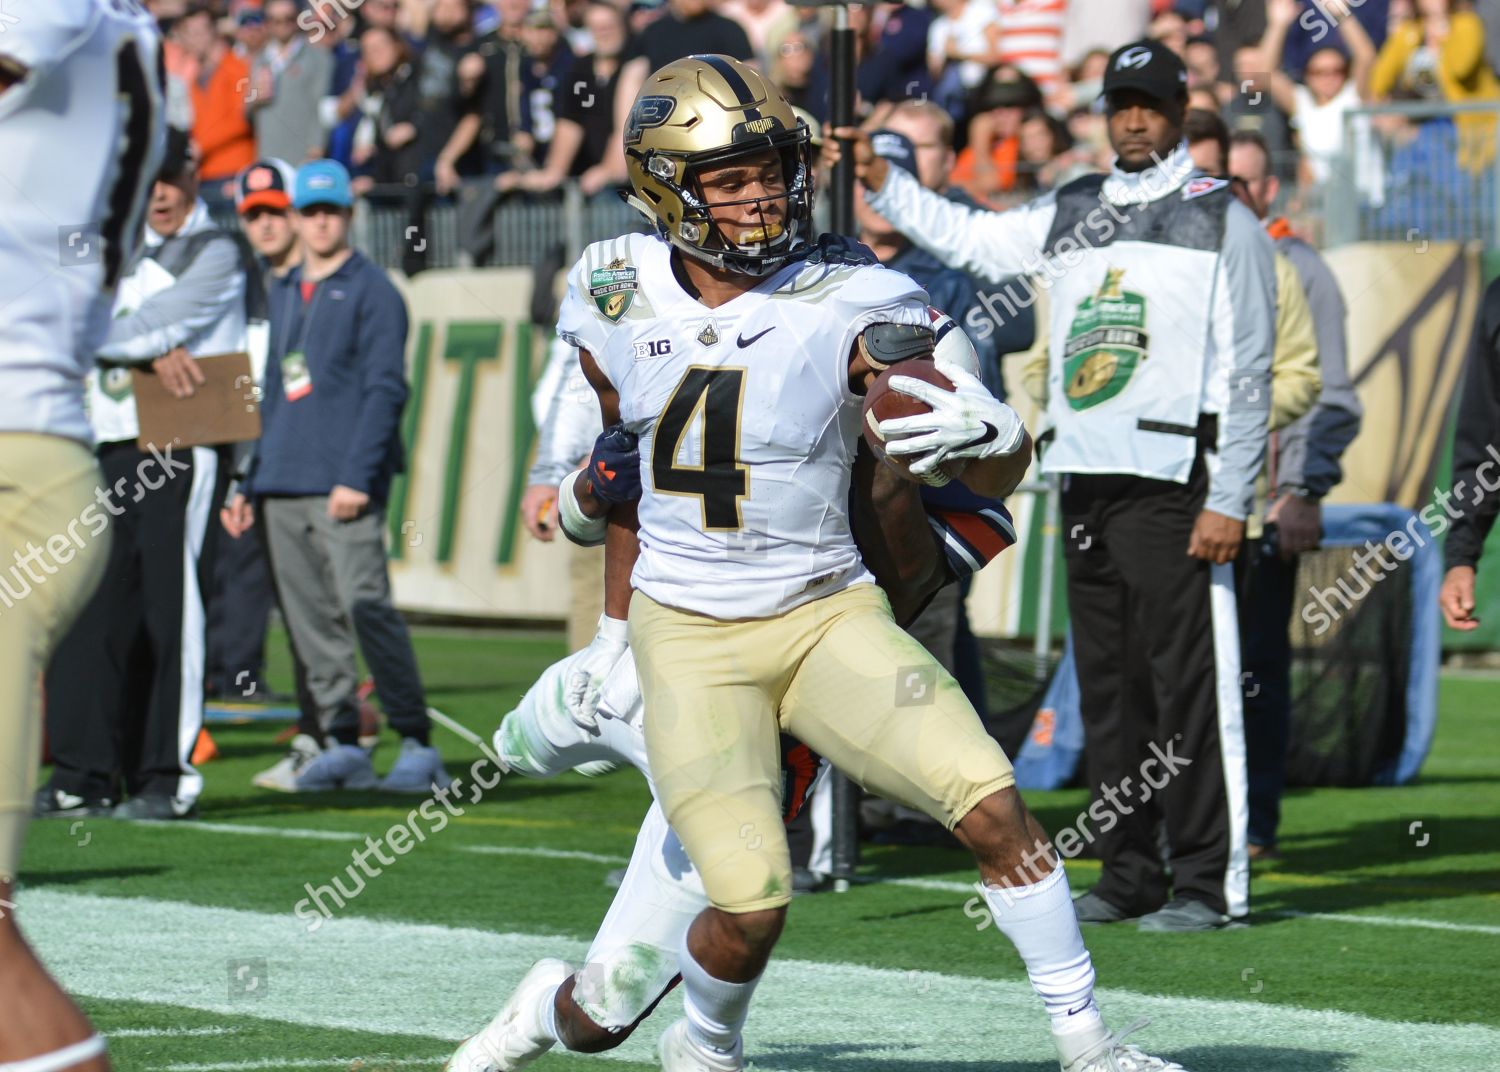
x: 1106, y: 343
x: 613, y: 289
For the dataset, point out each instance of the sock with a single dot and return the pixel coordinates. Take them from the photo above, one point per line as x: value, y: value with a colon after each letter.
x: 1040, y: 922
x: 716, y: 1010
x: 546, y: 1018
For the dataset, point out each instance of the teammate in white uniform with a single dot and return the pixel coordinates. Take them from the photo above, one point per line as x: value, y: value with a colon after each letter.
x: 752, y: 614
x: 80, y: 140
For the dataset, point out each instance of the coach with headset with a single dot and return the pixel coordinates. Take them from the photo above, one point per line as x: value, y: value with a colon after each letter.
x: 1163, y: 296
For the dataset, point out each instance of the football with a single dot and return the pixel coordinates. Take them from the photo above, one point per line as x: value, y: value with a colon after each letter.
x: 883, y: 404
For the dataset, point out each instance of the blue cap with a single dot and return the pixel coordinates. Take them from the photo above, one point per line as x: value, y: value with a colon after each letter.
x: 322, y: 182
x: 895, y: 147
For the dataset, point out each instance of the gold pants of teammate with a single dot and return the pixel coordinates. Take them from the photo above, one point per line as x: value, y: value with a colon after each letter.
x: 837, y: 674
x: 50, y: 563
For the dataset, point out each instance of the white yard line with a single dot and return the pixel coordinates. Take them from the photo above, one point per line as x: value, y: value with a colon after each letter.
x: 171, y: 1032
x: 933, y: 884
x: 411, y: 979
x: 347, y: 1064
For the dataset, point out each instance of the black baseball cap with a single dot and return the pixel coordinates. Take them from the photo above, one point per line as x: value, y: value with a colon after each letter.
x: 1148, y: 66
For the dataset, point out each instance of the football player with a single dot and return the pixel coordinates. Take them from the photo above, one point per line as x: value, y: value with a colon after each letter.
x: 946, y: 535
x: 740, y: 368
x: 81, y: 138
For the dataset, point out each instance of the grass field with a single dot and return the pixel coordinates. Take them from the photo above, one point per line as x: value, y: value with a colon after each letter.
x: 1374, y: 948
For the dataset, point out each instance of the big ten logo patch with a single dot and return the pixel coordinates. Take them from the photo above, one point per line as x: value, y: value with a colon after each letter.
x: 653, y: 348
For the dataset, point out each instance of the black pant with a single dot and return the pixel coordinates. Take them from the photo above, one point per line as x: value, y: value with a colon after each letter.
x: 125, y: 686
x: 1143, y: 637
x: 239, y: 611
x: 1266, y: 592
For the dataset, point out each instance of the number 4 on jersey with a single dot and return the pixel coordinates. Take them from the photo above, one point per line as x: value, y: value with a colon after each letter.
x: 720, y: 480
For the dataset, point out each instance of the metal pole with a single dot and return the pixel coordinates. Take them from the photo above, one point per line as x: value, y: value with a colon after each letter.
x: 841, y: 93
x: 1051, y: 510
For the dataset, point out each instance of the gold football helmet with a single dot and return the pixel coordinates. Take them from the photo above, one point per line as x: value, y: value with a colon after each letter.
x: 704, y: 111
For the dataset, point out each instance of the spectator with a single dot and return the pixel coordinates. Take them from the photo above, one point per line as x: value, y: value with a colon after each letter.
x: 217, y: 85
x: 450, y: 72
x: 1304, y: 463
x: 330, y: 444
x: 1171, y: 29
x: 488, y: 138
x: 242, y: 592
x: 339, y: 119
x: 1207, y: 139
x: 797, y: 73
x: 1439, y: 55
x: 586, y: 145
x: 1253, y: 107
x: 892, y: 53
x: 963, y: 43
x: 1046, y: 152
x: 691, y: 28
x: 288, y: 82
x: 250, y: 34
x: 1333, y: 82
x: 759, y: 19
x: 543, y: 76
x: 1474, y: 448
x: 987, y: 166
x: 1085, y: 80
x: 1032, y: 37
x: 1312, y: 26
x: 1153, y: 521
x: 386, y: 149
x: 125, y: 687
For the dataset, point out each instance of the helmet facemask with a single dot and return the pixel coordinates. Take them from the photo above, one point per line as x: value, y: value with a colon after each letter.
x: 700, y: 236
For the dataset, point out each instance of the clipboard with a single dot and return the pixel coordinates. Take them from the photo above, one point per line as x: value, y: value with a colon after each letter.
x: 225, y: 408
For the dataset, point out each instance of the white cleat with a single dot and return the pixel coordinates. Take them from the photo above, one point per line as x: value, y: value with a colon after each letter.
x: 679, y: 1053
x: 283, y: 775
x: 1110, y: 1053
x: 513, y: 1039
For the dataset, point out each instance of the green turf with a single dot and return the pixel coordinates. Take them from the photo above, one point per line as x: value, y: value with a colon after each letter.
x: 1347, y: 851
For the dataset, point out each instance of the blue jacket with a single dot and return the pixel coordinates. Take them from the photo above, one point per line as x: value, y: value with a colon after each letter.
x: 347, y: 429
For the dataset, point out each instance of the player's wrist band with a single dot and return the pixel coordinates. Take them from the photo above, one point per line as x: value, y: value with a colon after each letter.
x: 576, y: 525
x: 614, y: 629
x: 58, y: 1060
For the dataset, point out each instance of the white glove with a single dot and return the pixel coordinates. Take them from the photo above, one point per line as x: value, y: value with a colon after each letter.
x: 967, y: 422
x: 588, y: 674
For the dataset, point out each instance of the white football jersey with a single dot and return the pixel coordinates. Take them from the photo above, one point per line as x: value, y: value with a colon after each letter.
x: 746, y: 421
x: 80, y: 144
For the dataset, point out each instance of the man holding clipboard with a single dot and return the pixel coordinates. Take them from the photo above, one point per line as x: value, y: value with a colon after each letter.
x: 125, y: 687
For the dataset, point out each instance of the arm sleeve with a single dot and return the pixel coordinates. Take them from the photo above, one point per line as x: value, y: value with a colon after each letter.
x: 1246, y: 299
x: 1295, y: 381
x: 381, y: 348
x: 1473, y: 442
x: 1313, y: 445
x: 206, y: 290
x: 989, y: 245
x: 571, y: 421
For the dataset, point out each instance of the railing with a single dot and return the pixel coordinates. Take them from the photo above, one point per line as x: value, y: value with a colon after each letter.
x: 1415, y: 171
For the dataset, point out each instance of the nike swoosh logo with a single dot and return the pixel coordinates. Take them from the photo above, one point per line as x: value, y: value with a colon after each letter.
x: 743, y: 342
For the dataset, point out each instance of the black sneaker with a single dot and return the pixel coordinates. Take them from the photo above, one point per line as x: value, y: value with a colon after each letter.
x: 154, y: 807
x: 52, y: 803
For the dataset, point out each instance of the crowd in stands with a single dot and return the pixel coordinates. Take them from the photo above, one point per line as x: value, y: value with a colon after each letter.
x: 500, y: 98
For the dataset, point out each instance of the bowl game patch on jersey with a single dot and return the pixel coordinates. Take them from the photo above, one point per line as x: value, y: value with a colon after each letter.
x: 613, y: 288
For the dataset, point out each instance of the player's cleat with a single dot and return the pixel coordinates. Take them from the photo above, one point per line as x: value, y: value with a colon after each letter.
x: 679, y: 1053
x: 1091, y: 908
x: 1107, y: 1052
x: 282, y: 776
x: 339, y: 766
x: 1183, y: 916
x: 513, y: 1039
x: 52, y: 803
x: 418, y: 769
x: 156, y: 807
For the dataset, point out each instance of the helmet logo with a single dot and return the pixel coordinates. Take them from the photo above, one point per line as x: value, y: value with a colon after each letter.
x: 646, y: 113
